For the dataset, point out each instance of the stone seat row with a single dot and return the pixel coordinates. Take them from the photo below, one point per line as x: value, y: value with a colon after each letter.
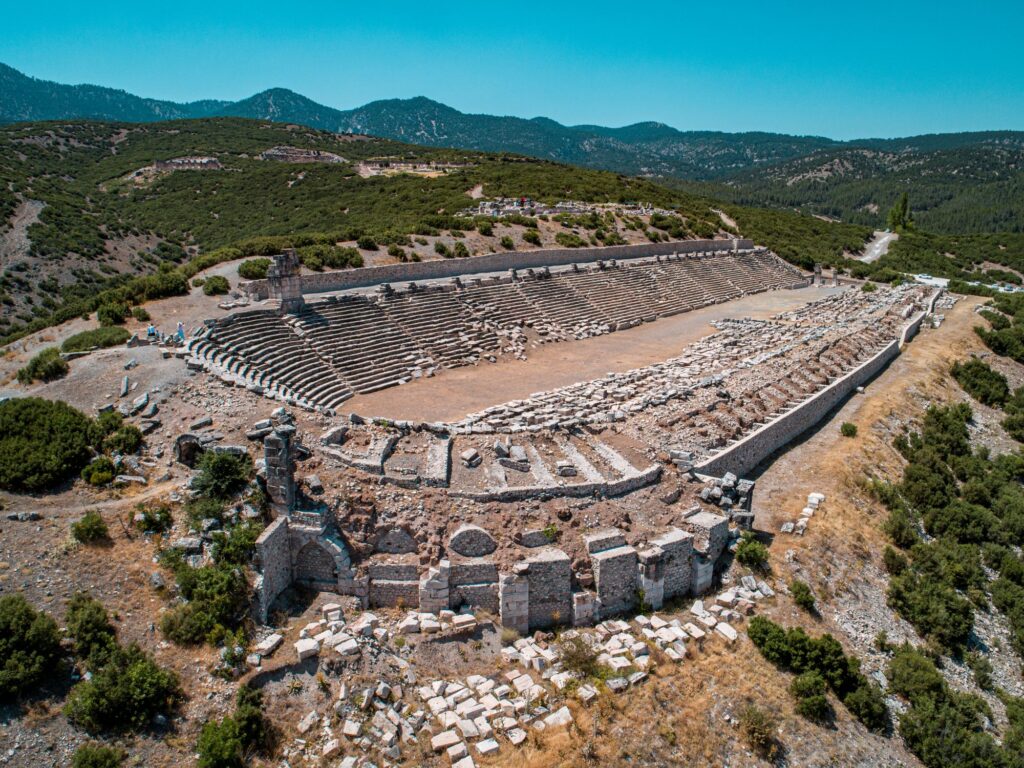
x: 359, y: 343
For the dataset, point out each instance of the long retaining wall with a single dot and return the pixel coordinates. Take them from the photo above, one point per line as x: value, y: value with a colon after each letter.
x: 345, y: 279
x: 741, y: 457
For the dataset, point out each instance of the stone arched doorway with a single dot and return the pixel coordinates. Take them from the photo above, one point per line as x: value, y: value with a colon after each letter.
x: 315, y: 565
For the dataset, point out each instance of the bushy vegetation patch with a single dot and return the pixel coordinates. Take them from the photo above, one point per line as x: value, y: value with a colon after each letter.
x: 153, y: 518
x: 221, y: 475
x: 90, y: 630
x: 92, y: 755
x: 751, y: 552
x: 42, y: 442
x: 971, y: 505
x: 99, y: 337
x: 125, y: 693
x: 847, y: 429
x: 232, y: 742
x: 216, y: 285
x: 944, y: 727
x: 100, y: 471
x: 802, y: 595
x: 90, y: 529
x: 795, y: 651
x: 218, y: 600
x: 254, y: 269
x: 48, y: 365
x: 760, y: 729
x: 30, y: 649
x: 981, y: 382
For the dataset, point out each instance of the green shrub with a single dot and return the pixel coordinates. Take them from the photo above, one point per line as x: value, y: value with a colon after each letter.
x: 569, y: 240
x: 229, y: 742
x: 869, y: 288
x: 93, y: 755
x: 125, y: 694
x: 396, y: 251
x: 760, y: 730
x: 507, y: 243
x: 220, y: 745
x: 113, y: 313
x: 366, y: 243
x: 221, y: 475
x: 29, y: 647
x: 751, y: 552
x: 216, y: 285
x: 532, y: 236
x: 218, y: 598
x: 802, y: 595
x: 848, y: 430
x: 254, y: 269
x: 99, y: 337
x: 809, y: 689
x: 982, y: 382
x: 42, y: 442
x: 126, y: 439
x: 237, y: 545
x: 99, y: 471
x: 153, y: 518
x: 140, y: 314
x: 460, y: 251
x: 90, y: 528
x: 580, y: 658
x: 796, y: 651
x: 90, y: 629
x: 48, y: 365
x: 442, y: 250
x: 982, y: 669
x: 895, y: 563
x: 867, y: 703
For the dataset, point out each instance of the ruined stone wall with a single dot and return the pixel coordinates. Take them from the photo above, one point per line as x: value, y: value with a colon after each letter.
x: 273, y: 553
x: 394, y: 594
x: 677, y: 561
x: 911, y: 329
x: 342, y: 280
x: 475, y: 584
x: 620, y: 487
x: 549, y: 574
x: 741, y: 457
x: 615, y: 576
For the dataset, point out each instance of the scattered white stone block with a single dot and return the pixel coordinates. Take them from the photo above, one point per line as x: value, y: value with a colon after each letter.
x: 306, y: 648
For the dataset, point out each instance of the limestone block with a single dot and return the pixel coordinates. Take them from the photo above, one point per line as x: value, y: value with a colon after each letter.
x: 307, y: 648
x: 443, y: 740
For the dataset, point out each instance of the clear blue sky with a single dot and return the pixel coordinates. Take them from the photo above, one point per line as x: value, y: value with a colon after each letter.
x: 836, y: 69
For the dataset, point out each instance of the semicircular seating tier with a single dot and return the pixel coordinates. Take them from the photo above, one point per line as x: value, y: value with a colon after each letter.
x: 359, y: 343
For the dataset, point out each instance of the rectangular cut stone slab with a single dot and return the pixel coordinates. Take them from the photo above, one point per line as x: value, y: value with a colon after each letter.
x: 269, y: 645
x: 443, y: 740
x: 487, y: 747
x: 726, y: 631
x: 560, y: 718
x: 307, y: 648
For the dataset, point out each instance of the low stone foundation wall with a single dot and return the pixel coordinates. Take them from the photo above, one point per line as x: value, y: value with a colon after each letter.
x: 342, y: 280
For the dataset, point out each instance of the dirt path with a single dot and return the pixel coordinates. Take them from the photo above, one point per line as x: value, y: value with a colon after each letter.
x: 14, y: 242
x: 876, y: 248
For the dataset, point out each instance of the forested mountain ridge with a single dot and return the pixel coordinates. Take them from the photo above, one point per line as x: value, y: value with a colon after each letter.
x: 972, y: 187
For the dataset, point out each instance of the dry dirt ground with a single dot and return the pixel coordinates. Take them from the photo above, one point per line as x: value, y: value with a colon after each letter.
x: 683, y: 716
x: 458, y: 391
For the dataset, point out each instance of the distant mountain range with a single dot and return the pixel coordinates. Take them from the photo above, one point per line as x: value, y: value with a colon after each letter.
x: 853, y: 180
